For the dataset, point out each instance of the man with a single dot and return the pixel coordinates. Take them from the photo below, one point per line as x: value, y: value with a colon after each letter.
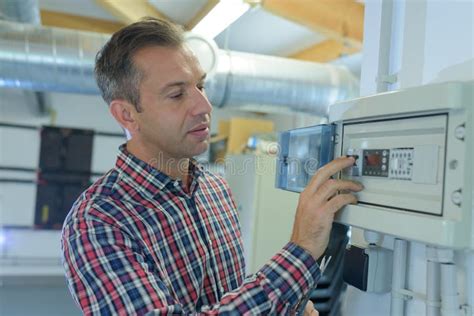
x: 158, y: 234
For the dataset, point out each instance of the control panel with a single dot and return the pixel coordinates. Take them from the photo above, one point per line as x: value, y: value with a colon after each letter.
x: 391, y: 158
x: 395, y: 163
x: 413, y: 151
x: 375, y: 162
x: 370, y: 162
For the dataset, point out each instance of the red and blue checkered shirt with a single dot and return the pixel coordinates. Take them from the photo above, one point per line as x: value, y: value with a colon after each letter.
x: 136, y: 243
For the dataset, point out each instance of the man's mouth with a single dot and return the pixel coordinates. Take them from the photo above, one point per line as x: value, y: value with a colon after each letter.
x: 200, y: 131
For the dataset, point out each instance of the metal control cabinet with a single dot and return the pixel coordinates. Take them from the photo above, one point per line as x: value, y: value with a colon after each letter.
x: 414, y: 151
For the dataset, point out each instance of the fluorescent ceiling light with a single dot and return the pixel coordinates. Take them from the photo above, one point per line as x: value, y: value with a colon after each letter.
x: 220, y: 17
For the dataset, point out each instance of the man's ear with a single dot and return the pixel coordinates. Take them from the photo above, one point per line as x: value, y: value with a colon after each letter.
x: 125, y: 114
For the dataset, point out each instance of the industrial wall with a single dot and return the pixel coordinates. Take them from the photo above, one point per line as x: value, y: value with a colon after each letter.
x: 40, y: 289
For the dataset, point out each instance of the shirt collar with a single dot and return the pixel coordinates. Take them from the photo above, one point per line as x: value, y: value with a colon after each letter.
x: 147, y: 178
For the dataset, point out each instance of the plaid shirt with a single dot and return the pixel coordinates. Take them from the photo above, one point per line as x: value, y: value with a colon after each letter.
x: 136, y: 243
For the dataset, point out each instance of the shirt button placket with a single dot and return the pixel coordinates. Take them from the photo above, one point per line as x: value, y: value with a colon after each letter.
x: 176, y: 186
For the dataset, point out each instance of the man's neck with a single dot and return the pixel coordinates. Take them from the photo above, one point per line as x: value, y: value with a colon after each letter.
x: 176, y: 168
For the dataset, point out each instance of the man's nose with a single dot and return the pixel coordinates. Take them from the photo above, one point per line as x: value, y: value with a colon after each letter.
x: 201, y: 104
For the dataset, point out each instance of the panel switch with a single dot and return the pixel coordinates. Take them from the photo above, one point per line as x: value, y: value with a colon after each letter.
x: 401, y: 164
x: 356, y: 169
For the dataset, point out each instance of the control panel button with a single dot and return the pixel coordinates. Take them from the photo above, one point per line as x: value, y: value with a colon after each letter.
x: 355, y: 170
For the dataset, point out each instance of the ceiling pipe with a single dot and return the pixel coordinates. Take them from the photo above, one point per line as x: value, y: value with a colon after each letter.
x: 61, y: 60
x: 48, y: 59
x: 352, y: 62
x: 23, y: 11
x: 246, y: 79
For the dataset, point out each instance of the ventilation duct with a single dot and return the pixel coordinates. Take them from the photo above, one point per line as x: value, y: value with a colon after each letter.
x: 23, y: 11
x: 60, y: 60
x: 48, y: 59
x: 243, y: 79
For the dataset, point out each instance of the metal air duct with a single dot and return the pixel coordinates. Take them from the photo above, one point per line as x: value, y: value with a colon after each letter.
x: 24, y: 11
x: 243, y: 79
x: 52, y: 59
x: 48, y: 59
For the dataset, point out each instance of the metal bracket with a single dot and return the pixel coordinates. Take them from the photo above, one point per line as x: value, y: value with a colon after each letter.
x: 409, y: 295
x: 466, y: 309
x: 387, y: 78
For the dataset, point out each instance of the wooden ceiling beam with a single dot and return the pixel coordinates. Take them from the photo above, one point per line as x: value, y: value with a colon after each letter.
x: 325, y: 51
x: 130, y: 11
x: 206, y: 8
x: 76, y: 22
x: 342, y: 20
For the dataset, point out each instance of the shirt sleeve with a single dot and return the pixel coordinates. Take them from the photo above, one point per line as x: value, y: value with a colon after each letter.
x: 108, y: 275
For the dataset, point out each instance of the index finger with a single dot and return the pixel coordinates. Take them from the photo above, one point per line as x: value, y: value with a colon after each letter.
x: 328, y: 170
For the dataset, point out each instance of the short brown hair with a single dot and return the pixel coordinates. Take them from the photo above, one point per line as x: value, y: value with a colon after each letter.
x: 116, y: 75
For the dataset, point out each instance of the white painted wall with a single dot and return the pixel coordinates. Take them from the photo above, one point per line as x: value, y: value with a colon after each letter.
x: 27, y: 254
x: 429, y: 41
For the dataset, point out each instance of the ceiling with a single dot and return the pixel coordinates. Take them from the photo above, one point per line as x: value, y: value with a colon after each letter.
x: 257, y: 31
x: 88, y: 8
x: 179, y: 11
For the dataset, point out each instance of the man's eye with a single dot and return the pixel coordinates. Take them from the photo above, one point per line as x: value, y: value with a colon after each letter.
x: 176, y: 96
x: 201, y: 87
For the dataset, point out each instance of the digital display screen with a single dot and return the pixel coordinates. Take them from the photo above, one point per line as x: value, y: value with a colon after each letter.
x: 376, y: 162
x: 373, y: 160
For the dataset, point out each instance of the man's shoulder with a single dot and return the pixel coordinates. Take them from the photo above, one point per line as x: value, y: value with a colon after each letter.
x: 216, y: 185
x: 214, y: 180
x: 104, y: 185
x: 100, y: 197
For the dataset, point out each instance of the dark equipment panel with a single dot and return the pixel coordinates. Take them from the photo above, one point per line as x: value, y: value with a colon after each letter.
x: 66, y: 150
x: 65, y: 170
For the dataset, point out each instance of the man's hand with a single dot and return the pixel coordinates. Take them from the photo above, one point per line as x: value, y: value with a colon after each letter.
x: 310, y: 310
x: 317, y: 205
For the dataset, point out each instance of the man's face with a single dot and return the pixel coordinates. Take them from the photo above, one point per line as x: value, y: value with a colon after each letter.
x: 175, y: 113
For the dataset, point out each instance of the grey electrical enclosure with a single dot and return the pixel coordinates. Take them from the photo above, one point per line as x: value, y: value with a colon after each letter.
x: 414, y: 153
